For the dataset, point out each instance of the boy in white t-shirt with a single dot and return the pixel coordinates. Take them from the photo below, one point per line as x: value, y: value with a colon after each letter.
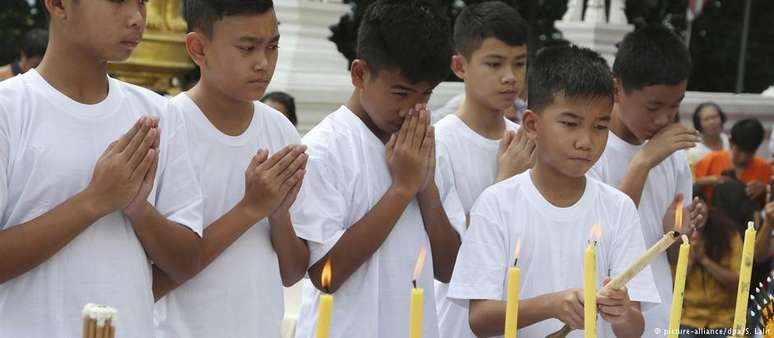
x: 643, y: 157
x: 250, y: 166
x: 372, y: 196
x: 551, y: 209
x: 86, y: 205
x: 481, y: 145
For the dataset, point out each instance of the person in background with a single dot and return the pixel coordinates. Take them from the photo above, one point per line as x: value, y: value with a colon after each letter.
x: 282, y: 102
x: 33, y: 46
x: 708, y: 119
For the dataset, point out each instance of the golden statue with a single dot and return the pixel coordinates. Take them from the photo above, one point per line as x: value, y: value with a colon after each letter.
x: 161, y: 57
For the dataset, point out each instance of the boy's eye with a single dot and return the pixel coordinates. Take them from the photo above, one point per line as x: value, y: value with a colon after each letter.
x: 493, y: 64
x: 246, y: 48
x: 400, y: 94
x: 569, y: 124
x: 520, y: 64
x: 601, y: 127
x: 274, y: 46
x: 652, y: 108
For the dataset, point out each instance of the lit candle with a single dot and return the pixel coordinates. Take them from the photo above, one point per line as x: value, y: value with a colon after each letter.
x: 740, y: 317
x: 417, y: 299
x: 325, y: 310
x: 679, y: 288
x: 512, y: 301
x: 590, y: 284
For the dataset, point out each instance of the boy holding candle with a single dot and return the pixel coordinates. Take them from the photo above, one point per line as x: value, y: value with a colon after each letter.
x: 372, y: 195
x: 550, y: 211
x: 250, y: 167
x: 481, y: 145
x: 643, y: 157
x: 96, y: 181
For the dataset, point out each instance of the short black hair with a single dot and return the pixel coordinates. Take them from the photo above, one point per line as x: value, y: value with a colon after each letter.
x: 409, y: 36
x: 34, y: 43
x: 747, y: 135
x: 491, y: 19
x: 570, y: 71
x: 202, y: 14
x: 286, y: 100
x: 651, y: 55
x: 697, y: 117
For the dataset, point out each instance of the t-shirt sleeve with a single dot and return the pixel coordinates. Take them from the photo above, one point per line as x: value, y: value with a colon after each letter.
x: 482, y: 260
x: 628, y: 245
x: 320, y: 209
x: 178, y: 194
x: 444, y: 178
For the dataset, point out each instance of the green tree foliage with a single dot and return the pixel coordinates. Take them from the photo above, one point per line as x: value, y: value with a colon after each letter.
x: 16, y: 18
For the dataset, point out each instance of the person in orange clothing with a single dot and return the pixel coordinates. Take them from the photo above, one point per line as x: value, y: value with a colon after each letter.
x: 755, y: 171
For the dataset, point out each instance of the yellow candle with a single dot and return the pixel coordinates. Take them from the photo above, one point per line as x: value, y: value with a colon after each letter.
x: 512, y: 300
x: 512, y: 305
x: 677, y: 298
x: 740, y: 317
x: 324, y: 316
x: 590, y: 291
x: 324, y: 312
x: 417, y: 301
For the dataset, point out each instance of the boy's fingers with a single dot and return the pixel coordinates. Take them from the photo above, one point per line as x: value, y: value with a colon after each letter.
x: 124, y: 140
x: 505, y: 142
x: 142, y: 169
x: 297, y: 164
x: 146, y: 144
x: 285, y: 162
x: 259, y: 157
x: 404, y: 127
x: 276, y: 157
x: 136, y: 140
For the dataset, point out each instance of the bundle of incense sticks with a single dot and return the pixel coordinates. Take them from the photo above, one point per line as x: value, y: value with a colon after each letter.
x: 99, y: 321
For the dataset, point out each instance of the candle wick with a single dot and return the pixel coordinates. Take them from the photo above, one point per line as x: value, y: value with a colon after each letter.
x: 515, y: 261
x: 415, y: 283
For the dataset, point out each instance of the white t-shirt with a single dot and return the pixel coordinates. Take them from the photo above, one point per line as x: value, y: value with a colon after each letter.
x: 49, y: 145
x: 700, y: 150
x: 553, y: 241
x: 346, y: 176
x: 473, y: 162
x: 664, y: 181
x: 240, y: 293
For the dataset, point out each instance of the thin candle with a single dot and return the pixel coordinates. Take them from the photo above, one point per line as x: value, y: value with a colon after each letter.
x: 325, y: 311
x: 590, y: 284
x: 512, y: 300
x: 745, y: 271
x: 417, y: 298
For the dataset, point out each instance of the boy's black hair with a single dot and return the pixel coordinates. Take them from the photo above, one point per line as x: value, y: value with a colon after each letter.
x: 202, y: 14
x: 491, y: 19
x: 747, y: 135
x: 408, y: 36
x: 286, y: 100
x: 570, y: 71
x: 35, y: 42
x: 697, y: 117
x: 651, y: 55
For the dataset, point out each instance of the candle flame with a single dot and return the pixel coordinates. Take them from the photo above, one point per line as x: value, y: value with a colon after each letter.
x: 325, y: 277
x: 751, y: 225
x: 517, y: 250
x: 679, y: 216
x: 685, y: 239
x: 596, y: 233
x: 420, y: 262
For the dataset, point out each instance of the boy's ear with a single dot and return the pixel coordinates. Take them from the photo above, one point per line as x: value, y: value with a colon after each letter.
x: 530, y: 122
x: 194, y: 44
x: 56, y: 8
x: 617, y: 90
x: 458, y: 65
x: 359, y: 72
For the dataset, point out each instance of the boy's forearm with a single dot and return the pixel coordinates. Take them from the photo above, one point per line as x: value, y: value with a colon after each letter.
x: 292, y: 252
x: 362, y: 239
x: 162, y: 283
x: 633, y: 182
x: 25, y: 246
x: 487, y: 317
x: 171, y: 246
x: 632, y: 325
x: 444, y: 240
